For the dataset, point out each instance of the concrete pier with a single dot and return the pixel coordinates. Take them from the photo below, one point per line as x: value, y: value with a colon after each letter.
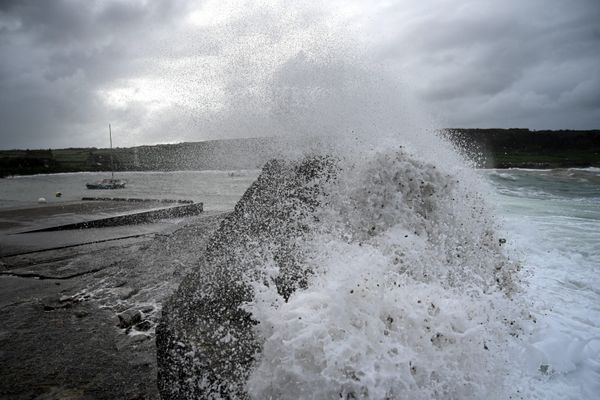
x: 35, y: 228
x: 130, y: 218
x: 70, y: 275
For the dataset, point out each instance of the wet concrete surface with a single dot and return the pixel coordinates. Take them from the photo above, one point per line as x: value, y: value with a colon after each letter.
x: 71, y: 352
x: 18, y: 219
x: 34, y: 228
x: 45, y: 241
x: 78, y: 308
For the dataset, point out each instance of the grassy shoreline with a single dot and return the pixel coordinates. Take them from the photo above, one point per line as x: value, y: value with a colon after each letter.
x: 493, y: 148
x: 522, y: 148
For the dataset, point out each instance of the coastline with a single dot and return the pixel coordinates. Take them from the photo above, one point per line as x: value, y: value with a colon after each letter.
x: 490, y: 148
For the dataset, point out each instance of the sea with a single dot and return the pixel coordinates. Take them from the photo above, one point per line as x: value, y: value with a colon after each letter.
x: 551, y: 221
x: 218, y: 190
x: 549, y: 225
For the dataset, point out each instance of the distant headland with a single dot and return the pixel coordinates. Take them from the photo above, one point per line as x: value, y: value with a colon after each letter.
x: 491, y: 148
x: 524, y: 148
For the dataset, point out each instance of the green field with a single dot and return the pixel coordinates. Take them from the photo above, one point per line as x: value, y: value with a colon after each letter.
x: 493, y: 148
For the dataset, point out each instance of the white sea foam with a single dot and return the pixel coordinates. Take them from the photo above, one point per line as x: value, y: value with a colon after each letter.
x: 556, y: 238
x: 411, y: 296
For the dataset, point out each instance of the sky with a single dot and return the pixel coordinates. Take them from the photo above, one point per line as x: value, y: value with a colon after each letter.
x: 167, y: 71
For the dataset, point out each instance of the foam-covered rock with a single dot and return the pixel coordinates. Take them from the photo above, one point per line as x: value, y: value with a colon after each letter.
x: 205, y: 340
x: 375, y: 276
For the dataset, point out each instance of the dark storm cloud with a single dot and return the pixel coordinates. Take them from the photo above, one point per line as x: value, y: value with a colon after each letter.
x: 56, y: 54
x: 65, y: 22
x: 69, y: 67
x: 531, y: 64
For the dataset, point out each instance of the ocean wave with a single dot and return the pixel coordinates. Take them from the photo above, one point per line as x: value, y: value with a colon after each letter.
x: 410, y: 294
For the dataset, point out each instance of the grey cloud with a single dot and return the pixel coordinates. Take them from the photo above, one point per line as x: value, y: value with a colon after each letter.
x: 57, y: 54
x: 543, y: 55
x: 500, y: 63
x: 62, y: 23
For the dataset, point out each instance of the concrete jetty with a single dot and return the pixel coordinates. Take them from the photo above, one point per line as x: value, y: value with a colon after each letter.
x: 130, y: 218
x: 34, y: 228
x: 81, y: 290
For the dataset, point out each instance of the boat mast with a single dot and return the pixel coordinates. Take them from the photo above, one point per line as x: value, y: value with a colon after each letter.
x: 112, y: 168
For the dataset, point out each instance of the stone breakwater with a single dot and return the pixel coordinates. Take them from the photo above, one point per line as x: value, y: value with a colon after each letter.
x: 205, y: 340
x: 373, y: 275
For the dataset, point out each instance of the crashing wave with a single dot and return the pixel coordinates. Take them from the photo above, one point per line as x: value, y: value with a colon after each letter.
x: 374, y: 277
x: 410, y: 295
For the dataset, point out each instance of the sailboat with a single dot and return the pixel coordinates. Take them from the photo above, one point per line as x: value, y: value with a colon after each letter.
x: 107, y: 183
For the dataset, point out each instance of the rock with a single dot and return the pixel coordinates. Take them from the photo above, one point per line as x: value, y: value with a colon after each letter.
x: 125, y: 293
x: 147, y: 309
x: 48, y: 307
x: 143, y: 326
x: 129, y: 341
x: 81, y: 313
x: 120, y: 307
x: 129, y: 318
x: 53, y: 303
x: 205, y: 341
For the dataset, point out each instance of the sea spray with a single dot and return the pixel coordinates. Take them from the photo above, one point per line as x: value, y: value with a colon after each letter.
x: 363, y: 262
x: 410, y: 295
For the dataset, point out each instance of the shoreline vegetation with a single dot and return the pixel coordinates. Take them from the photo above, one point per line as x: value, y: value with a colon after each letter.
x: 491, y: 148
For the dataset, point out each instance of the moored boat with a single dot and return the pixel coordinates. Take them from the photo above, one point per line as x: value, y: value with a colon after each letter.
x: 107, y: 183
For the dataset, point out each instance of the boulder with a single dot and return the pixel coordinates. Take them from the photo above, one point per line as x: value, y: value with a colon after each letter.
x: 205, y: 340
x: 129, y: 318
